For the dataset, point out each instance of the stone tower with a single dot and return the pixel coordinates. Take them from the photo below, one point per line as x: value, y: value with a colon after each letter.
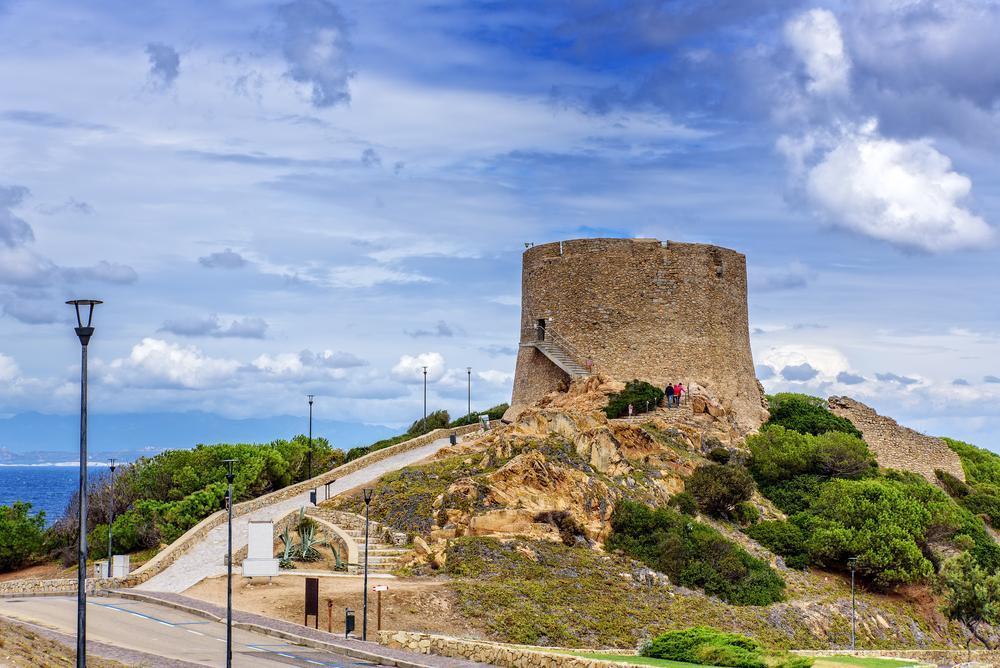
x: 637, y: 308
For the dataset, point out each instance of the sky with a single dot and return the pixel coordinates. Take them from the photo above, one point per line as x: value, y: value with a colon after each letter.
x: 277, y: 199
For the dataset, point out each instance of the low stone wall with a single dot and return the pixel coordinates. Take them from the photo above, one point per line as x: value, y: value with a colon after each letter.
x: 197, y: 533
x: 481, y: 651
x: 938, y: 657
x: 30, y: 587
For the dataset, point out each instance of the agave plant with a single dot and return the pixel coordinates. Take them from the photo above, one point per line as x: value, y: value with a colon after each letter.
x: 308, y: 544
x: 285, y: 561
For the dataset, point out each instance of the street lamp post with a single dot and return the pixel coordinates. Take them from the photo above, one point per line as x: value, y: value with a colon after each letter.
x: 309, y: 457
x: 364, y: 614
x: 853, y: 563
x: 229, y: 565
x: 83, y: 332
x: 111, y: 513
x: 425, y: 398
x: 468, y: 373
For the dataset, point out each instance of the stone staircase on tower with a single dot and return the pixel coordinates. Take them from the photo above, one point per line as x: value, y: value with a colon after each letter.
x: 386, y: 545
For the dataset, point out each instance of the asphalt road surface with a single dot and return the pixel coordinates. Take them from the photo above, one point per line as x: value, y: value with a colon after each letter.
x: 166, y: 632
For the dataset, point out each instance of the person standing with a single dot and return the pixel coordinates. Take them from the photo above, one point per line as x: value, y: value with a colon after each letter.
x: 678, y: 391
x: 669, y: 392
x: 630, y: 410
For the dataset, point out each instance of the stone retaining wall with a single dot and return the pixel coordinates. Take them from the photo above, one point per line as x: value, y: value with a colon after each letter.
x: 198, y: 533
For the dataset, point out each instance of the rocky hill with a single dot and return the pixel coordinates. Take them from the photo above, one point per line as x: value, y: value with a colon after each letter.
x: 530, y: 519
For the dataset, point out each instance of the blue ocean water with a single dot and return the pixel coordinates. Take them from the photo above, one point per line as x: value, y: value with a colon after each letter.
x: 47, y: 488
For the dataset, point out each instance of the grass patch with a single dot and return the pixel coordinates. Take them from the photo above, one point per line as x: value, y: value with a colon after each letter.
x: 635, y: 659
x: 864, y: 662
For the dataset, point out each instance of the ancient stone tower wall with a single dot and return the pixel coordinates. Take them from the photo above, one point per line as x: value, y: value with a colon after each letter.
x: 898, y: 447
x: 640, y: 308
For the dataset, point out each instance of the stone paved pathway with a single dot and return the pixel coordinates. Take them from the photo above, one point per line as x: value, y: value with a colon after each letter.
x: 207, y: 558
x: 334, y: 640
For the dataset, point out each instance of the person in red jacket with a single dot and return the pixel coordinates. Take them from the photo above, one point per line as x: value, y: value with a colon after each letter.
x: 678, y: 391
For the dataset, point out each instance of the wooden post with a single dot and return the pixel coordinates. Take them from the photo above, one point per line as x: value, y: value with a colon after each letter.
x: 329, y: 615
x: 379, y: 603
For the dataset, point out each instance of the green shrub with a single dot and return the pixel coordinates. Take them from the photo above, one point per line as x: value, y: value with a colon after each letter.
x: 639, y: 394
x: 746, y: 513
x: 783, y: 538
x: 693, y: 554
x: 779, y: 454
x: 956, y: 488
x: 22, y: 535
x: 980, y: 465
x: 806, y: 415
x: 685, y: 503
x: 984, y: 499
x: 494, y: 413
x: 706, y: 646
x: 720, y: 488
x: 794, y: 495
x: 720, y: 455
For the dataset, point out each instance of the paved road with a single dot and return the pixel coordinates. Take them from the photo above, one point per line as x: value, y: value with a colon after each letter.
x: 206, y: 559
x: 167, y: 633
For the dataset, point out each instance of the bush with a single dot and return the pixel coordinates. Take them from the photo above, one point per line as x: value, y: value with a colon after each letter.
x: 720, y: 455
x: 794, y: 496
x: 693, y: 554
x: 746, y: 513
x: 685, y: 502
x: 639, y: 394
x: 494, y: 413
x: 779, y: 454
x: 984, y: 499
x: 706, y: 646
x: 783, y: 538
x: 955, y: 487
x: 22, y: 535
x: 807, y: 415
x: 720, y: 488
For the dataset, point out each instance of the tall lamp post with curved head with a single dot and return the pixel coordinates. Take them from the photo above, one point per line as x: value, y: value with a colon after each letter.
x: 468, y: 373
x: 309, y: 456
x: 364, y: 614
x: 84, y: 332
x: 111, y: 511
x: 229, y: 565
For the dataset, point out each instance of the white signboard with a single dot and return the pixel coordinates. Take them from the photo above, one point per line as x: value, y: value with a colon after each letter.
x: 260, y: 559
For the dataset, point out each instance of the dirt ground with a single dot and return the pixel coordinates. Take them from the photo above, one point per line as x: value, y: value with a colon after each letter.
x: 410, y: 604
x: 20, y: 647
x: 47, y: 571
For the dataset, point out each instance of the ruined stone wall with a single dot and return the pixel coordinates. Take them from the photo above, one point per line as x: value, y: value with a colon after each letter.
x: 640, y: 308
x: 898, y: 447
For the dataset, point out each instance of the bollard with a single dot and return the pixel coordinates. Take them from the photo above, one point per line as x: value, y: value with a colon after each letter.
x: 348, y: 622
x: 329, y: 615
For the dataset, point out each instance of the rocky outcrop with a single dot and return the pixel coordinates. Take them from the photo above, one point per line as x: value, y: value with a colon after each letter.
x: 895, y: 446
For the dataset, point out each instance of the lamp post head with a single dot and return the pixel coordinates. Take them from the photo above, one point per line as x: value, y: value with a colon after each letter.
x: 310, y: 398
x: 369, y: 492
x: 84, y: 331
x: 112, y: 463
x: 229, y: 470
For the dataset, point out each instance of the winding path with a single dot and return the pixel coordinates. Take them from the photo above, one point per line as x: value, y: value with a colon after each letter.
x: 207, y: 558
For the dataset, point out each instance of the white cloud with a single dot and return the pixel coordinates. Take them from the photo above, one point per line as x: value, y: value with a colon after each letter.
x: 816, y: 39
x: 8, y: 369
x: 155, y: 363
x: 409, y: 369
x: 905, y: 193
x: 495, y: 377
x: 827, y: 362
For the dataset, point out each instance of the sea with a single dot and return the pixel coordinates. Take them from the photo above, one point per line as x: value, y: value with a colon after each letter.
x: 45, y: 487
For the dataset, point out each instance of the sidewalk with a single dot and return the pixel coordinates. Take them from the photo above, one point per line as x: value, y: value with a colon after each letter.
x: 304, y: 635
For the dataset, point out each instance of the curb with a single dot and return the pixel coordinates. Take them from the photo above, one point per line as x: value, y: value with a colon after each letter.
x: 276, y: 633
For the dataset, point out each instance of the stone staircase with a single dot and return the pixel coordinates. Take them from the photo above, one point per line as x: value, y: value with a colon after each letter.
x: 385, y: 548
x: 562, y: 359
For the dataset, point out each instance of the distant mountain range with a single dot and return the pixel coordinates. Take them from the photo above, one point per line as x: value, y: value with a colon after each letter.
x: 35, y: 438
